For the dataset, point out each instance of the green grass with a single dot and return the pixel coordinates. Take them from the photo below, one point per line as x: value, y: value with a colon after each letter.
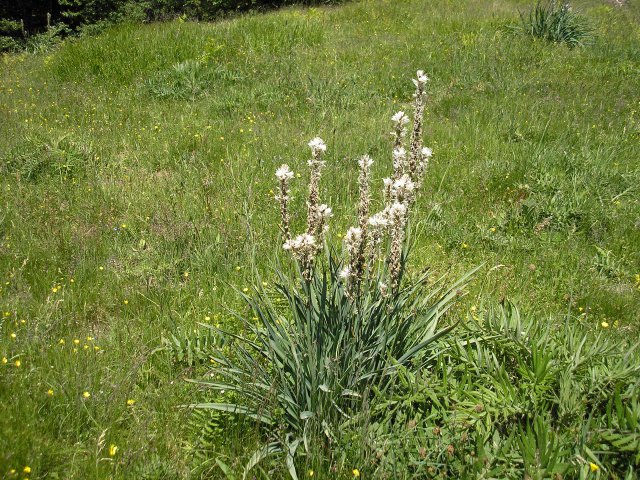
x: 137, y: 176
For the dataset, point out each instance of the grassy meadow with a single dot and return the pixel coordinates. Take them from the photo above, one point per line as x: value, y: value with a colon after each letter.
x: 137, y: 188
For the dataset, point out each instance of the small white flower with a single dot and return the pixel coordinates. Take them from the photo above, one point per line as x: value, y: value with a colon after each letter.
x: 354, y: 234
x: 317, y: 145
x: 301, y: 242
x: 306, y: 240
x: 365, y: 161
x: 397, y: 211
x: 427, y: 152
x: 400, y: 118
x: 399, y: 154
x: 345, y: 272
x: 388, y: 182
x: 324, y: 212
x: 284, y: 173
x: 378, y: 220
x: 403, y: 185
x: 422, y: 78
x: 352, y: 240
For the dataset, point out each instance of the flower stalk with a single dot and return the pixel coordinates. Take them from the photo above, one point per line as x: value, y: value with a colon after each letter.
x: 416, y: 134
x: 284, y: 175
x: 362, y: 242
x: 316, y: 164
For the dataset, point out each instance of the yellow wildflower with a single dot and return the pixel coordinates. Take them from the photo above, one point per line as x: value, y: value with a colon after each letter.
x: 131, y: 402
x: 356, y: 472
x: 310, y: 473
x: 594, y: 467
x: 113, y: 449
x: 4, y: 360
x: 604, y: 325
x: 27, y: 469
x: 86, y: 394
x: 17, y: 363
x: 50, y: 392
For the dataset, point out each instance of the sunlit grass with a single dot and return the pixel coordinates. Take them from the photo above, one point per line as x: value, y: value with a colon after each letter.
x: 167, y: 201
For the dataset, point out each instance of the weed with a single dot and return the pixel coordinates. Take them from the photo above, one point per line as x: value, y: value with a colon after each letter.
x: 555, y: 21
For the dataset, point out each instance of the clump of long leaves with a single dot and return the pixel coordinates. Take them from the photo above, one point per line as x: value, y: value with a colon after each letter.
x: 556, y: 22
x: 308, y: 366
x: 514, y: 397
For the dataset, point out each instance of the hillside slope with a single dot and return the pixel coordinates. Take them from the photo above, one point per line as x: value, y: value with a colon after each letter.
x: 137, y: 187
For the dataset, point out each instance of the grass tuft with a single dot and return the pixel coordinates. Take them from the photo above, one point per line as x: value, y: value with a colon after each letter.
x: 556, y: 22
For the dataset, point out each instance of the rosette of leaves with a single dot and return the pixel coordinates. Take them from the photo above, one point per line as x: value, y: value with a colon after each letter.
x: 305, y: 369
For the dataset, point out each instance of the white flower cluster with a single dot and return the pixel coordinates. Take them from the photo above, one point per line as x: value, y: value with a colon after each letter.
x: 425, y: 155
x: 284, y: 173
x: 317, y: 146
x: 402, y: 189
x: 305, y: 247
x: 399, y: 161
x: 365, y: 162
x: 422, y: 78
x: 361, y: 242
x: 378, y: 224
x: 397, y: 211
x: 300, y: 244
x: 323, y: 214
x: 352, y: 240
x: 400, y: 118
x: 379, y: 220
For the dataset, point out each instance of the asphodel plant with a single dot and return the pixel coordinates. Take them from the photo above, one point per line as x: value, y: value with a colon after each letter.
x: 350, y: 320
x: 362, y: 242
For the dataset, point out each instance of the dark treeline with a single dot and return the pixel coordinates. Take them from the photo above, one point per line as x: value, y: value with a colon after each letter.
x: 28, y: 17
